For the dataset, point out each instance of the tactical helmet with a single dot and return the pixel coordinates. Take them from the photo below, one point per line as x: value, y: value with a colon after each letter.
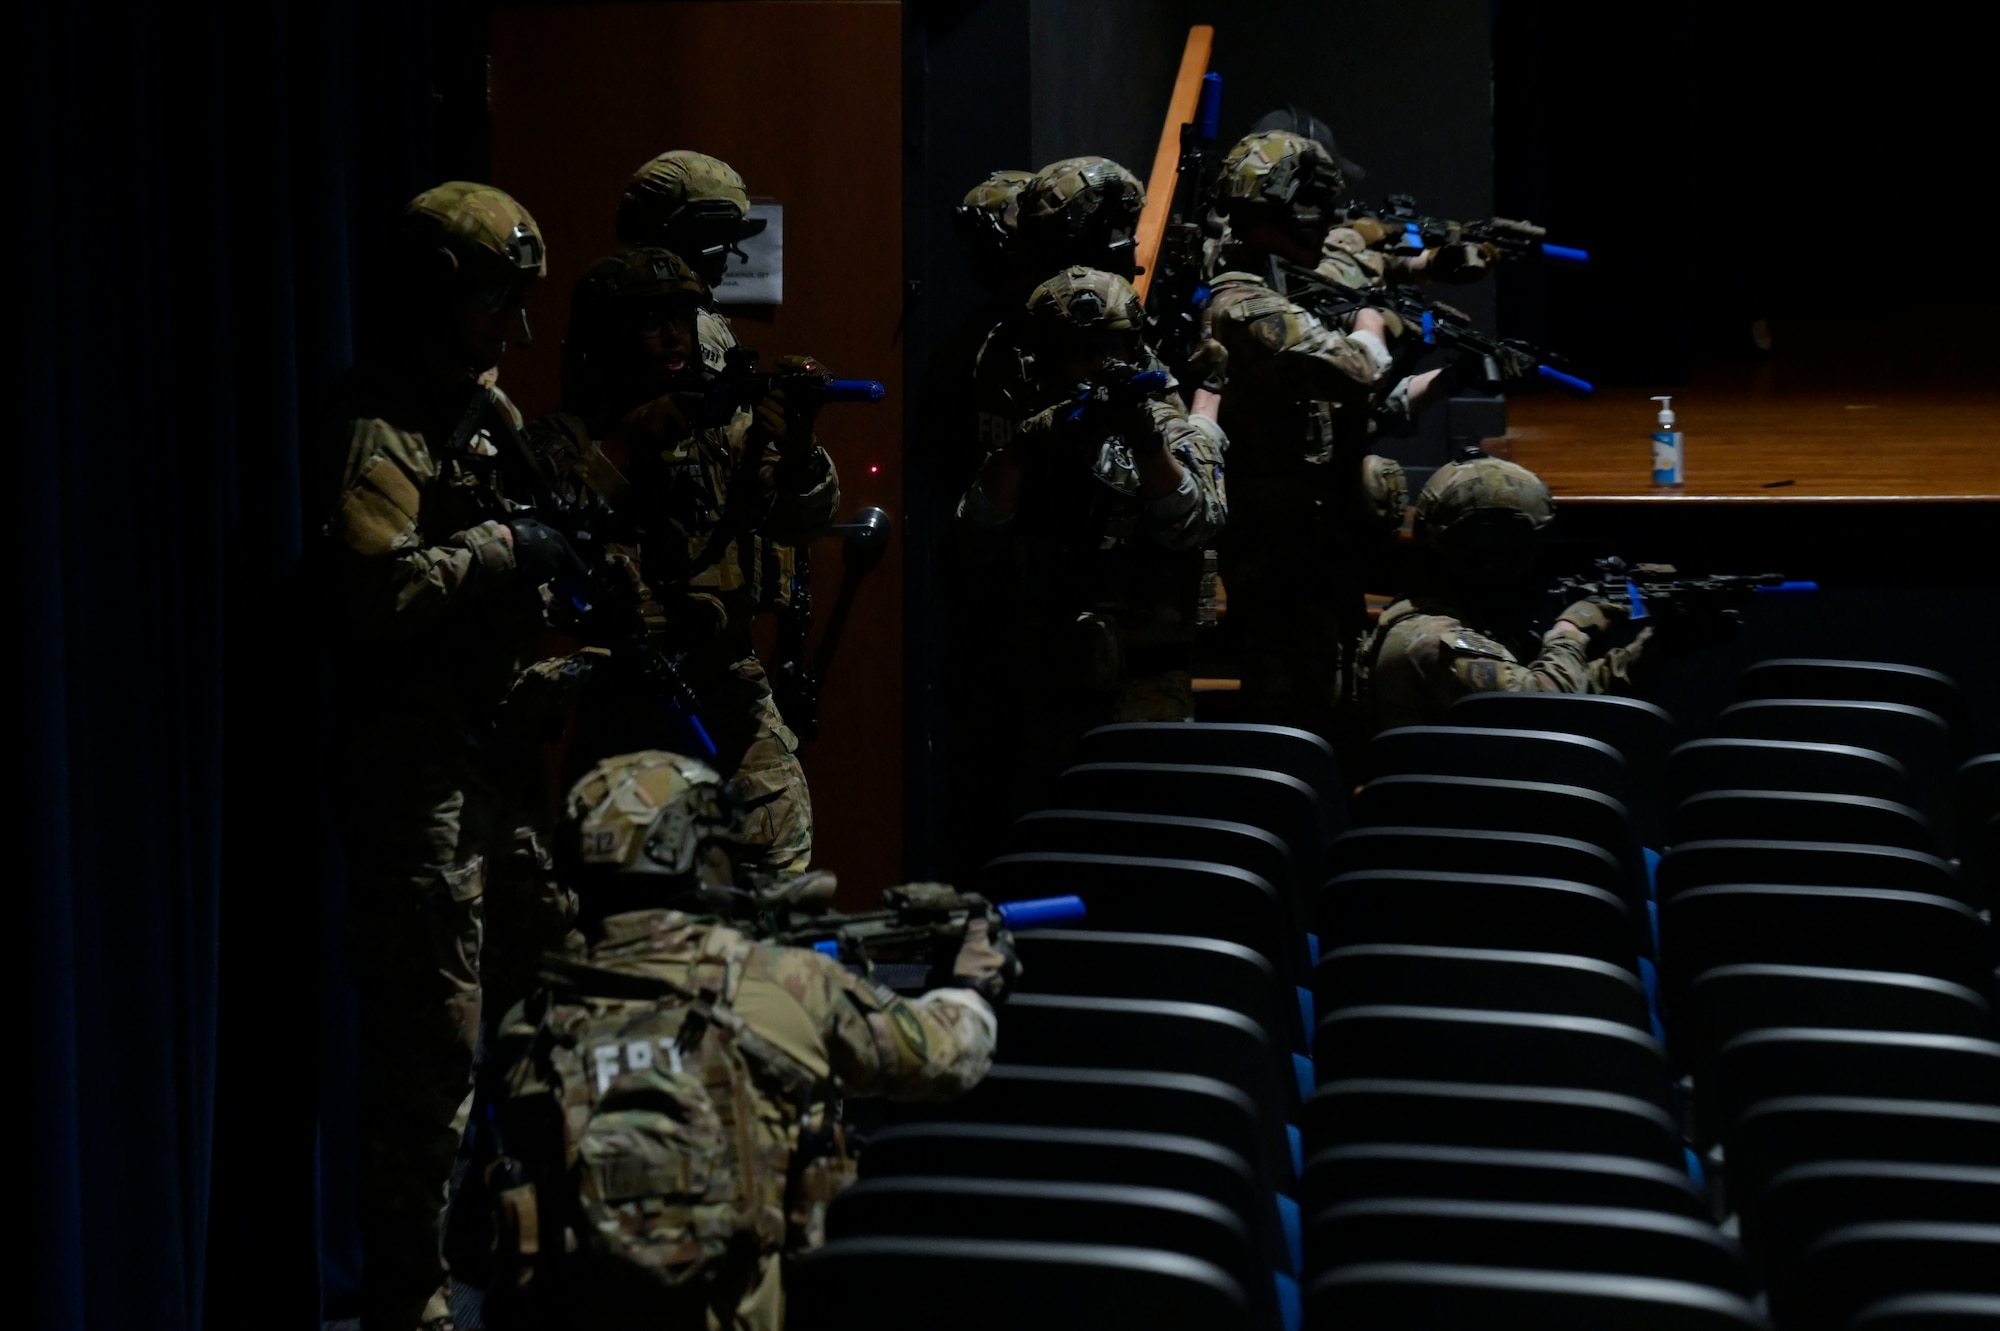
x: 627, y: 283
x: 650, y: 813
x: 986, y: 216
x: 1298, y: 120
x: 1086, y: 300
x: 690, y: 203
x: 473, y: 235
x: 1484, y: 508
x: 1083, y: 210
x: 1385, y: 492
x: 1280, y: 169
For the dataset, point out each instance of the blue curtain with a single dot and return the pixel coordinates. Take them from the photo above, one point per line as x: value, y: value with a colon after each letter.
x: 199, y: 185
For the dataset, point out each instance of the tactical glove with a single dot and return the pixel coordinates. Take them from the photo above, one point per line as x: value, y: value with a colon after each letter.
x: 1458, y: 264
x: 542, y: 552
x: 785, y: 413
x: 1593, y: 617
x: 986, y: 962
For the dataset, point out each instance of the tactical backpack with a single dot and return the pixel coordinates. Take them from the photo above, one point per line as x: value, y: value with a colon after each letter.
x: 626, y: 1163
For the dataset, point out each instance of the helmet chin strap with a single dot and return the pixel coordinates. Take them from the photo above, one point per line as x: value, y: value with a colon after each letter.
x: 527, y: 333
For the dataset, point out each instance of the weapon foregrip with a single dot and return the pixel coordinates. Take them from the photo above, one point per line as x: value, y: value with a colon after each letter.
x: 1041, y: 913
x: 854, y: 390
x: 1581, y: 387
x: 1789, y: 589
x: 828, y: 947
x: 1149, y: 381
x: 1564, y: 253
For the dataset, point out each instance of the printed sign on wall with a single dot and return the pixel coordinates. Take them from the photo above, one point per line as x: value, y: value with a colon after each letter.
x: 759, y: 278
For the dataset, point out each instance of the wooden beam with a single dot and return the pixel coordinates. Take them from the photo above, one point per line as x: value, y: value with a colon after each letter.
x: 1166, y: 161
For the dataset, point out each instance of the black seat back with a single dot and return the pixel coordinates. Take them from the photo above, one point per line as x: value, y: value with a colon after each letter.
x: 1795, y: 815
x: 1004, y: 1285
x: 1791, y: 1060
x: 1133, y: 893
x: 1526, y: 1118
x: 1519, y: 1048
x: 1525, y: 1235
x: 1642, y: 733
x: 1405, y: 1169
x: 1473, y: 910
x: 1395, y: 1296
x: 1553, y: 982
x: 1862, y: 681
x: 1778, y: 764
x: 1806, y: 1201
x: 1849, y: 1269
x: 1110, y: 964
x: 1283, y: 805
x: 1162, y: 836
x: 1296, y: 753
x: 1771, y: 1136
x: 1469, y: 850
x: 1725, y: 1001
x: 1807, y: 863
x: 1914, y: 737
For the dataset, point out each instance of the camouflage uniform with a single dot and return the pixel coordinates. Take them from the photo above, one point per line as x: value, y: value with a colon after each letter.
x: 1423, y: 656
x: 813, y: 1030
x: 707, y: 516
x: 442, y: 816
x: 1297, y: 404
x: 1098, y: 588
x: 696, y: 207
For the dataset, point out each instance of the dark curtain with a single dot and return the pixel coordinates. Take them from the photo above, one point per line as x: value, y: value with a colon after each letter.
x: 200, y: 185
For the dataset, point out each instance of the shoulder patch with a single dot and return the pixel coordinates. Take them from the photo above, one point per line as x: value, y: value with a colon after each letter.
x: 908, y: 1028
x: 1273, y: 330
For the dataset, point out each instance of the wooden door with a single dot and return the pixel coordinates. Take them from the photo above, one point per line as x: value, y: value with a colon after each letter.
x: 805, y: 100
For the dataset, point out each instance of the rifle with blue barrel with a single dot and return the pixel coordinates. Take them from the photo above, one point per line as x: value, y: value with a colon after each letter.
x: 1486, y: 360
x: 794, y: 681
x: 1699, y: 608
x: 912, y: 940
x: 1399, y: 228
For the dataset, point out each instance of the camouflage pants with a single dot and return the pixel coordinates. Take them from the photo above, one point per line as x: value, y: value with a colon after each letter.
x: 1293, y: 621
x: 755, y: 748
x: 452, y: 899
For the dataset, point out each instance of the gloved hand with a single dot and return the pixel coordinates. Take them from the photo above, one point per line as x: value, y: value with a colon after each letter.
x: 986, y: 962
x: 785, y: 413
x: 1458, y: 264
x: 542, y: 552
x: 1593, y: 617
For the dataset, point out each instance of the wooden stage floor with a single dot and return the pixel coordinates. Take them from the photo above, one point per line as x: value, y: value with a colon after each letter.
x: 1757, y: 434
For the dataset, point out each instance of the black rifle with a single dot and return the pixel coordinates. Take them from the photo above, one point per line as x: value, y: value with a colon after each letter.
x: 795, y: 682
x: 1409, y: 232
x: 1489, y: 361
x: 1178, y: 295
x: 915, y: 934
x: 1656, y: 592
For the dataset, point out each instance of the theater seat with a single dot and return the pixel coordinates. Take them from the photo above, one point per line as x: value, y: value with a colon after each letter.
x: 1296, y: 753
x: 1929, y: 1312
x: 1528, y: 1118
x: 1162, y: 836
x: 1914, y: 737
x: 1772, y: 1136
x: 1530, y: 1235
x: 1398, y: 1296
x: 1852, y: 1268
x: 1470, y: 850
x: 1777, y: 764
x: 1642, y: 732
x: 919, y: 1284
x: 1408, y: 1169
x: 1513, y: 755
x: 1516, y: 1048
x: 1283, y: 805
x: 1766, y: 1064
x: 1862, y: 681
x: 1110, y: 964
x: 1806, y: 1201
x: 1463, y: 977
x: 1067, y: 1213
x: 1807, y: 863
x: 1437, y: 909
x: 1725, y: 1001
x: 1796, y: 815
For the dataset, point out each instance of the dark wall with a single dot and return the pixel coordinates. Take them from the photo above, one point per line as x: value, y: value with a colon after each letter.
x: 1102, y: 72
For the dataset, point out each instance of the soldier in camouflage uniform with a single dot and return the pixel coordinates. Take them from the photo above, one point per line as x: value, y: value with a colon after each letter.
x: 1482, y: 520
x: 986, y: 220
x: 704, y: 503
x: 676, y: 1220
x: 1089, y: 519
x: 438, y: 570
x: 1300, y: 397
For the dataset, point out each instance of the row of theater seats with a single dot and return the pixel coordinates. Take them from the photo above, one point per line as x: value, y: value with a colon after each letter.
x: 1486, y: 1056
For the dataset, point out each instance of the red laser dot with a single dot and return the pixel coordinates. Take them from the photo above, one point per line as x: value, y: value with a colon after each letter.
x: 873, y: 470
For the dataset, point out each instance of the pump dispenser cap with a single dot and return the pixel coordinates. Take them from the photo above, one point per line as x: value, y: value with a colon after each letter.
x: 1666, y: 412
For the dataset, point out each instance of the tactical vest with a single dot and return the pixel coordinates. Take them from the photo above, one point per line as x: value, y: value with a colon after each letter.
x: 642, y: 1145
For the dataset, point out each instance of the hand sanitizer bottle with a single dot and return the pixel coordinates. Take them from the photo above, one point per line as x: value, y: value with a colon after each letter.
x: 1667, y: 453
